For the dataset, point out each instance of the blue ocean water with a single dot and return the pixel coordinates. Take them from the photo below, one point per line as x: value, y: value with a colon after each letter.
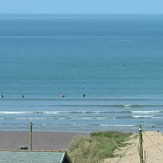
x: 115, y: 60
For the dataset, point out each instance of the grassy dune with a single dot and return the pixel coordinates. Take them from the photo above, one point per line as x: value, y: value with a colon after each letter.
x: 96, y: 147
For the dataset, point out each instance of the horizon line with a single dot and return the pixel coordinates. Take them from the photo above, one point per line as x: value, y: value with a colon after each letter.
x: 81, y: 14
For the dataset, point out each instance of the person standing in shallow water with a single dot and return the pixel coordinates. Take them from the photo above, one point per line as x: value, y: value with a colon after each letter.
x: 62, y: 96
x: 84, y: 95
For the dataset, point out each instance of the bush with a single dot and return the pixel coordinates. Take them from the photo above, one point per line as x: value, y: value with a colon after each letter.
x: 84, y: 150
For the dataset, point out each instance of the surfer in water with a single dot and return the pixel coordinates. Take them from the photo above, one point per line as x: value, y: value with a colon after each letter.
x: 63, y: 96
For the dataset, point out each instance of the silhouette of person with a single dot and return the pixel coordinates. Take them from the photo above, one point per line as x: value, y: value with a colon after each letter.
x: 63, y: 96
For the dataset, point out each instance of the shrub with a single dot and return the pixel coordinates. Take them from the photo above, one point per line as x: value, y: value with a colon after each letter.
x: 84, y: 150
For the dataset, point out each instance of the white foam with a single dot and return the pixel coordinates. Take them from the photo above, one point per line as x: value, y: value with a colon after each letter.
x: 146, y: 112
x: 143, y: 116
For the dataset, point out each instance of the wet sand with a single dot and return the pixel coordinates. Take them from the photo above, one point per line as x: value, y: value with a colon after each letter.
x: 40, y: 140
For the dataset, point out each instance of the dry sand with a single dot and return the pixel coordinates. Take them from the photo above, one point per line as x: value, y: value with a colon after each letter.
x: 41, y: 140
x: 153, y: 148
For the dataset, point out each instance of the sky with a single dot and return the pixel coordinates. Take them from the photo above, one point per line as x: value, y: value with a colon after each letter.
x: 82, y: 6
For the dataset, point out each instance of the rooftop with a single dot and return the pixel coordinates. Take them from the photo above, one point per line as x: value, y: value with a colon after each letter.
x: 33, y: 157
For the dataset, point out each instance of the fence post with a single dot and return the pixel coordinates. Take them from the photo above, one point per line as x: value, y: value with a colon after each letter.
x: 30, y: 136
x: 140, y: 144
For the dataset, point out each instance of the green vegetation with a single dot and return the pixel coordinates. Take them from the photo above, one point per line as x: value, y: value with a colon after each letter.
x: 98, y: 146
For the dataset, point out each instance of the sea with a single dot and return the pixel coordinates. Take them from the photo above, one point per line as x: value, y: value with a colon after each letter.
x: 81, y: 73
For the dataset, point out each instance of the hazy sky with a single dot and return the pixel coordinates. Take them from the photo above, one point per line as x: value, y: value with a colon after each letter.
x: 82, y: 6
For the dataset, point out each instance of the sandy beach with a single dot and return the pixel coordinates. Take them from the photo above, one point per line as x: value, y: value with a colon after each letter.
x: 41, y: 140
x: 153, y: 150
x: 152, y: 144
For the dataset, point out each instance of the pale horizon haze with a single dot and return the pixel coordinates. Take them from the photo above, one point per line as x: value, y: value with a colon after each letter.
x: 81, y: 7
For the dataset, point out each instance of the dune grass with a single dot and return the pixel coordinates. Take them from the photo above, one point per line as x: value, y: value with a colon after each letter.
x: 98, y: 146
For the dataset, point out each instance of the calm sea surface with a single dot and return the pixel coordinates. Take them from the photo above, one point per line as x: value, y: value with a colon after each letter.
x: 116, y: 61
